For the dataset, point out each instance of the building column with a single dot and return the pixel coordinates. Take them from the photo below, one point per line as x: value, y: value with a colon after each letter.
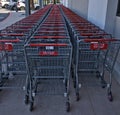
x: 27, y: 9
x: 41, y: 3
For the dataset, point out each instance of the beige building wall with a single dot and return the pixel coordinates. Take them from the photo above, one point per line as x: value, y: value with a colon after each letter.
x: 79, y: 6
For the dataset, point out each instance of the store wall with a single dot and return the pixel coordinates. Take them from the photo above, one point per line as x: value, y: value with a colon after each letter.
x: 79, y: 6
x: 97, y: 12
x: 111, y: 16
x: 70, y: 4
x: 64, y: 2
x: 100, y: 12
x: 103, y: 13
x: 117, y: 27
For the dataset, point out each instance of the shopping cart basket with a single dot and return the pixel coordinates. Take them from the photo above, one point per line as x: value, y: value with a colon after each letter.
x: 12, y: 61
x: 96, y: 55
x: 48, y: 61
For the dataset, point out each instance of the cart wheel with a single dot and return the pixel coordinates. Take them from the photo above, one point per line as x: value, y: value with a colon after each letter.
x: 7, y: 74
x: 110, y: 97
x: 72, y: 73
x: 92, y: 72
x: 14, y: 73
x: 77, y: 97
x: 103, y: 84
x: 97, y: 74
x: 67, y: 106
x: 1, y: 85
x: 2, y: 73
x: 31, y: 106
x: 74, y: 83
x: 26, y: 99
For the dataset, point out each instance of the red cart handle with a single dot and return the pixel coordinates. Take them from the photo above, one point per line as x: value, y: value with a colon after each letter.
x: 92, y: 34
x: 100, y: 40
x: 6, y: 47
x: 47, y: 37
x: 12, y: 34
x: 11, y: 41
x: 99, y: 44
x: 47, y: 44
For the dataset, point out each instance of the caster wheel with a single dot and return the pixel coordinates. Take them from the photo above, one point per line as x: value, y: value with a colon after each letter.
x: 74, y: 85
x: 31, y: 106
x: 110, y: 97
x: 97, y: 74
x: 103, y: 87
x: 2, y: 73
x: 5, y: 78
x: 1, y: 84
x: 72, y: 73
x: 26, y: 99
x: 67, y: 106
x: 91, y: 72
x: 77, y: 97
x: 7, y: 74
x: 103, y: 84
x: 14, y: 73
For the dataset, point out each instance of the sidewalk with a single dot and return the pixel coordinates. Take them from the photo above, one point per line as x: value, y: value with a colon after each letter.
x: 11, y: 19
x: 3, y: 16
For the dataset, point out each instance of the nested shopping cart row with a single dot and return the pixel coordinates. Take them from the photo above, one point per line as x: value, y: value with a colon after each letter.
x: 44, y: 45
x: 12, y: 41
x: 94, y: 51
x: 48, y: 59
x: 53, y: 25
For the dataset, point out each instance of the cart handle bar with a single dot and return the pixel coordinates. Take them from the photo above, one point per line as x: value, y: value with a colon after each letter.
x: 11, y: 41
x: 92, y: 34
x: 12, y: 34
x: 100, y: 40
x: 46, y: 37
x: 46, y: 44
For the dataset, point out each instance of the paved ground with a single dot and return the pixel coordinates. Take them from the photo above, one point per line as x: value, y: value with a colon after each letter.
x: 10, y: 17
x: 3, y: 16
x: 93, y: 101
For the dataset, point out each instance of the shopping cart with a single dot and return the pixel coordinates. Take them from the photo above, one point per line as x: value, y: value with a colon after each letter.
x: 95, y: 55
x: 84, y: 59
x: 12, y: 61
x: 48, y: 63
x: 48, y: 59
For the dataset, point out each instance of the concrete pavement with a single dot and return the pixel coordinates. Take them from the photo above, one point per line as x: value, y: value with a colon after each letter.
x: 3, y: 16
x: 12, y: 17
